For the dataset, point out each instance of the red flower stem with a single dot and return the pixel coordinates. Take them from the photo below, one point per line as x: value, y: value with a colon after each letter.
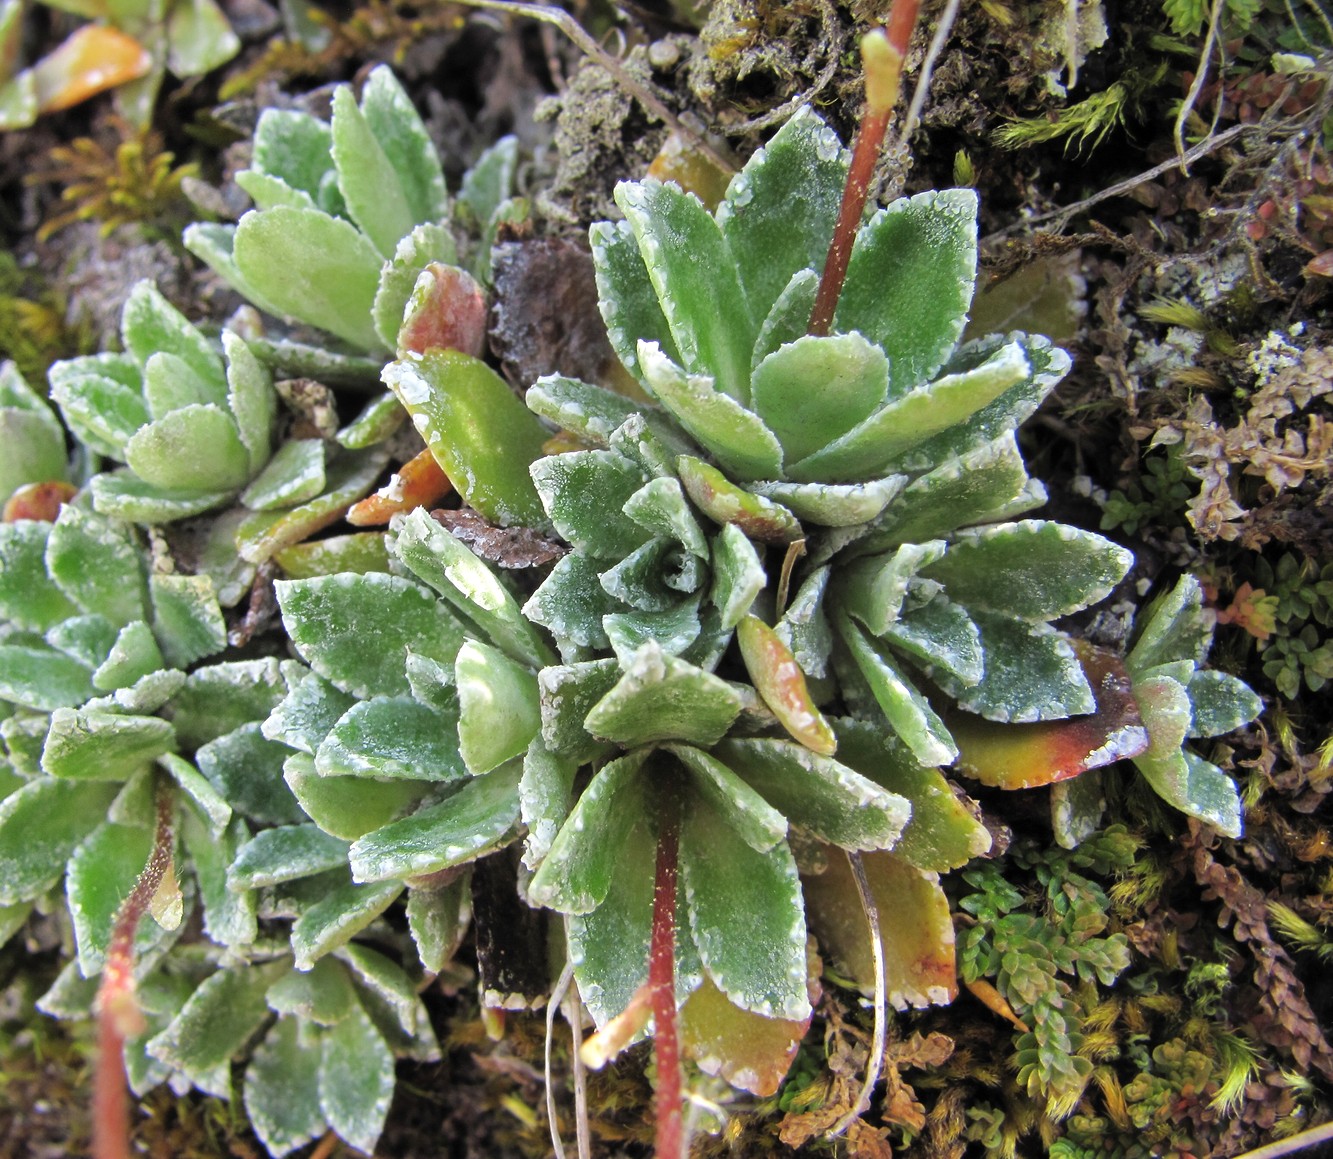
x: 662, y: 983
x: 118, y: 1012
x: 882, y: 55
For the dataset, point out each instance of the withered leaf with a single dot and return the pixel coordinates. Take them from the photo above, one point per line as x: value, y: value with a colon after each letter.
x: 509, y: 547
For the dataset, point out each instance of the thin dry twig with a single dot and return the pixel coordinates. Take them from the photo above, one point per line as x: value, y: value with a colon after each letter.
x: 922, y: 90
x: 552, y: 1114
x: 1320, y: 1134
x: 1196, y: 87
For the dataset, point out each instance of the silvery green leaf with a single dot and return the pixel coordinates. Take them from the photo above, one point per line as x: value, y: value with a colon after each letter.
x: 295, y: 147
x: 804, y: 627
x: 641, y: 579
x: 432, y: 683
x: 696, y: 281
x: 187, y: 620
x: 337, y: 917
x: 823, y: 795
x: 956, y: 493
x: 873, y: 589
x: 87, y: 638
x: 497, y: 705
x: 738, y: 575
x: 291, y: 359
x: 28, y: 599
x: 477, y: 430
x: 789, y: 318
x: 910, y: 281
x: 43, y: 678
x: 212, y: 808
x: 284, y: 854
x: 30, y: 432
x: 720, y: 790
x: 660, y: 507
x: 134, y: 654
x: 590, y: 412
x: 585, y: 859
x: 1077, y: 808
x: 438, y: 917
x: 124, y: 495
x: 584, y: 494
x: 71, y: 996
x: 813, y: 391
x: 307, y: 714
x: 832, y: 504
x: 24, y: 734
x: 41, y: 824
x: 194, y: 448
x: 779, y: 210
x: 375, y: 199
x: 103, y: 413
x: 267, y: 191
x: 213, y: 243
x: 672, y: 630
x: 229, y: 917
x: 324, y: 994
x: 169, y: 384
x: 626, y: 297
x: 294, y: 475
x: 490, y: 180
x: 1175, y: 626
x: 544, y: 798
x: 222, y: 697
x: 1031, y: 673
x: 566, y: 695
x: 476, y: 819
x: 662, y: 698
x: 356, y: 1080
x: 392, y: 736
x: 216, y: 1022
x: 378, y: 421
x: 282, y: 1089
x: 942, y: 637
x: 101, y: 874
x: 348, y: 807
x: 902, y: 704
x: 403, y: 136
x: 200, y: 38
x: 387, y: 993
x: 736, y: 437
x: 332, y: 619
x: 453, y: 570
x: 250, y: 398
x: 1195, y: 787
x: 415, y: 250
x: 1220, y: 703
x: 879, y: 442
x: 16, y: 394
x: 146, y: 695
x: 572, y: 604
x: 246, y: 770
x: 314, y: 268
x: 149, y: 324
x: 97, y: 565
x: 1034, y: 569
x: 747, y: 917
x: 103, y: 746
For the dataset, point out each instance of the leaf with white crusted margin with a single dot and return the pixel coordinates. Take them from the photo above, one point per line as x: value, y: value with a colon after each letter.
x: 498, y: 707
x: 103, y: 746
x: 348, y: 807
x: 392, y: 736
x: 246, y: 770
x: 285, y: 853
x: 584, y: 494
x: 625, y: 295
x: 1175, y: 626
x: 1220, y: 703
x: 375, y: 198
x: 746, y: 915
x: 194, y: 448
x: 41, y: 824
x: 149, y: 324
x: 27, y: 599
x: 338, y: 917
x: 282, y: 1089
x: 97, y: 565
x: 752, y: 818
x: 356, y: 1080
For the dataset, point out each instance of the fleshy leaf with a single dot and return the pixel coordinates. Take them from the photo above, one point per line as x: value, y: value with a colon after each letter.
x: 194, y: 448
x: 1220, y: 703
x: 1175, y: 626
x: 374, y: 197
x: 339, y: 915
x: 498, y: 708
x: 348, y: 807
x: 779, y: 680
x: 567, y: 694
x: 749, y: 1050
x: 584, y: 494
x: 294, y: 475
x: 401, y: 133
x: 725, y: 503
x: 626, y: 297
x: 752, y: 818
x: 149, y: 324
x: 246, y: 770
x: 392, y: 736
x: 282, y: 1089
x: 27, y: 599
x: 43, y: 678
x: 103, y: 746
x: 187, y: 620
x: 941, y: 636
x: 250, y: 398
x: 41, y: 824
x: 284, y: 854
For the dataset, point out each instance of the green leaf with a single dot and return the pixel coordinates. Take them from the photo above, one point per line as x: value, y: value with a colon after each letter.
x: 746, y: 915
x: 282, y: 1089
x: 41, y: 825
x: 725, y: 503
x: 781, y: 684
x: 356, y: 1080
x: 779, y: 211
x: 590, y: 412
x: 348, y: 807
x: 28, y: 599
x: 229, y: 918
x: 124, y: 495
x: 134, y: 654
x: 222, y: 697
x: 754, y: 820
x: 660, y: 507
x: 169, y: 384
x: 42, y: 678
x: 187, y: 621
x: 1034, y: 569
x: 910, y: 280
x: 834, y: 505
x: 662, y: 698
x: 481, y: 435
x: 149, y: 324
x: 285, y: 854
x: 1220, y: 703
x: 267, y: 191
x: 736, y: 437
x: 378, y: 421
x: 375, y: 199
x: 1077, y: 808
x: 438, y: 917
x: 489, y: 182
x: 626, y: 297
x: 200, y: 38
x: 571, y: 603
x: 941, y: 637
x: 392, y: 736
x: 475, y: 820
x: 403, y: 136
x: 250, y: 398
x: 545, y: 794
x: 103, y: 413
x: 194, y: 448
x: 584, y: 494
x: 672, y: 630
x: 324, y: 995
x: 101, y: 874
x: 246, y: 770
x: 294, y: 475
x: 1175, y: 626
x: 103, y: 746
x: 87, y: 638
x: 312, y: 267
x: 586, y: 856
x: 498, y: 708
x: 566, y: 694
x: 1195, y: 787
x: 873, y: 589
x: 307, y: 714
x: 332, y: 621
x: 339, y: 915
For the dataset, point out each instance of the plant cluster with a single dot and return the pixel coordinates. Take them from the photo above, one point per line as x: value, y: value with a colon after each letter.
x: 802, y: 580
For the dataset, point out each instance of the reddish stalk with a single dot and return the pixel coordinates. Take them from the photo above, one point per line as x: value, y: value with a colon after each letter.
x: 882, y: 53
x: 662, y: 984
x: 119, y: 1016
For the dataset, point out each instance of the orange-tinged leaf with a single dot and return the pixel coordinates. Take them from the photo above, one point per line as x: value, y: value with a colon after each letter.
x: 991, y: 998
x: 620, y: 1031
x: 447, y: 311
x: 683, y: 162
x: 916, y: 931
x: 40, y: 501
x: 1025, y: 756
x: 93, y: 59
x: 779, y: 680
x: 417, y: 483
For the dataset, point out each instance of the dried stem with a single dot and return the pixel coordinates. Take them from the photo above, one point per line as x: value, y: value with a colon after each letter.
x: 552, y: 1114
x: 882, y: 54
x: 662, y: 984
x: 118, y: 1011
x: 880, y: 1033
x: 1315, y: 1135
